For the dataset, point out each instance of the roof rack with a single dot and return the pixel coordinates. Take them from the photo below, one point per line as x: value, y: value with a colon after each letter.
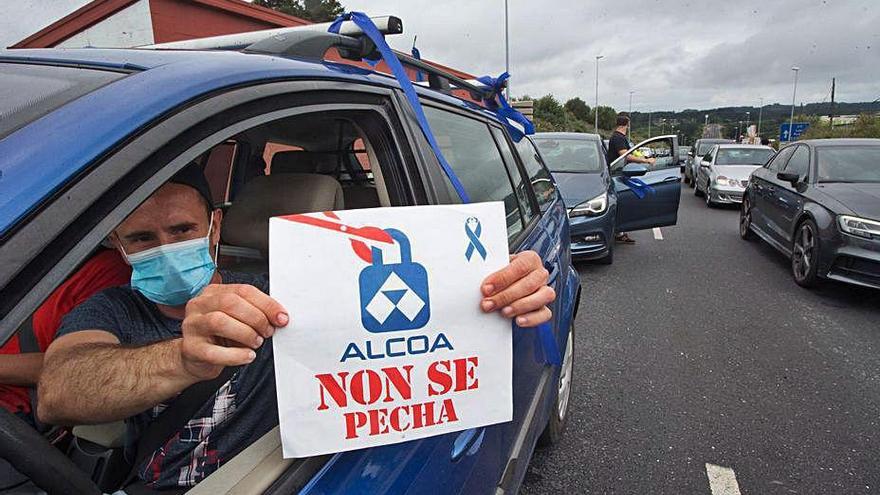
x: 313, y: 41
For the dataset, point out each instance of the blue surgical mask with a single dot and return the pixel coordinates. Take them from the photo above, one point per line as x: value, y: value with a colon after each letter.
x: 172, y: 274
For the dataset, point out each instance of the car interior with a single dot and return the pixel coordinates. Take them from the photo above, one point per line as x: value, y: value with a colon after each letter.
x: 301, y: 164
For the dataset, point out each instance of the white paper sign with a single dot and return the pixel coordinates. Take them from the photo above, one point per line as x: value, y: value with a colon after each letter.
x: 387, y: 342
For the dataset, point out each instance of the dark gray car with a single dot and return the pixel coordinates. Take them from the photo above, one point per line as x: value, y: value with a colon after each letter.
x: 818, y: 202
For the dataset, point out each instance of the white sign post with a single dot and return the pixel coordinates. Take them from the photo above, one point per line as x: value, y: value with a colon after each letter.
x: 387, y: 342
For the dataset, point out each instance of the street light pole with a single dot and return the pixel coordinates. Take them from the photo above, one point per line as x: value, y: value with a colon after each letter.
x: 629, y: 131
x: 596, y: 108
x: 760, y: 112
x: 506, y: 49
x: 793, y: 96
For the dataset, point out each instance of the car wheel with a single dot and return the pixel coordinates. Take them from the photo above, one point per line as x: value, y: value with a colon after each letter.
x: 709, y: 202
x: 555, y: 428
x: 745, y: 220
x: 805, y: 254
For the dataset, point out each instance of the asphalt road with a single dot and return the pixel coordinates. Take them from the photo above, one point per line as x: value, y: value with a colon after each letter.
x: 700, y: 349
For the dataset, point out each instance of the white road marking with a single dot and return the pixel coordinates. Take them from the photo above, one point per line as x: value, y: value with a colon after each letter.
x: 722, y: 480
x: 657, y: 234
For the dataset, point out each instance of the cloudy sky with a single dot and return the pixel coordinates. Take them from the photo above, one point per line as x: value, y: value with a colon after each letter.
x: 673, y: 54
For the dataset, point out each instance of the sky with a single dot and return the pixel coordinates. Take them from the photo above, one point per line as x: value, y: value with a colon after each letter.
x: 672, y: 54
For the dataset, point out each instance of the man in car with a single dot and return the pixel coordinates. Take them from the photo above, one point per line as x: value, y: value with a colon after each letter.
x: 618, y: 145
x: 129, y: 351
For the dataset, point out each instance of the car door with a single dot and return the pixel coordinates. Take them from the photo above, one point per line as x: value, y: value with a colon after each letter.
x: 763, y: 186
x: 648, y: 200
x: 703, y: 166
x: 473, y: 148
x: 784, y: 200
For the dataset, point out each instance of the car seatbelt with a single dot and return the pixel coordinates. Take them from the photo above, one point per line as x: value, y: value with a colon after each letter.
x: 27, y: 342
x: 174, y: 418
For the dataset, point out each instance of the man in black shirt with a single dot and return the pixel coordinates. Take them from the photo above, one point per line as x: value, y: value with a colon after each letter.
x: 618, y: 145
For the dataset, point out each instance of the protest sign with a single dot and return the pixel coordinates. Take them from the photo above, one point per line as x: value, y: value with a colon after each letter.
x: 387, y: 341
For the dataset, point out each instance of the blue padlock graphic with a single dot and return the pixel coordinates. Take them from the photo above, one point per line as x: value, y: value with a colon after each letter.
x: 394, y: 297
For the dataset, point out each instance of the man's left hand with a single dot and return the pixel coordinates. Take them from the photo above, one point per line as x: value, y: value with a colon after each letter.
x: 520, y: 290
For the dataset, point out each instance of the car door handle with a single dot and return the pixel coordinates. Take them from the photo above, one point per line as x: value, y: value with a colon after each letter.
x: 467, y: 442
x: 672, y: 179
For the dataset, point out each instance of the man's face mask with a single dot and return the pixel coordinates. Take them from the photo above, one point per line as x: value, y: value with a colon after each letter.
x: 172, y: 274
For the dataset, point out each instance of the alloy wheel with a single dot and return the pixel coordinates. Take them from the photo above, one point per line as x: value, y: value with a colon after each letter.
x: 804, y: 252
x: 565, y: 377
x: 745, y: 219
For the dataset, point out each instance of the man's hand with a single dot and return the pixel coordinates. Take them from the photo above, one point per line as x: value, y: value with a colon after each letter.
x: 224, y: 325
x: 520, y: 290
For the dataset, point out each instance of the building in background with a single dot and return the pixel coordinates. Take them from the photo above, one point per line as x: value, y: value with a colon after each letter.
x: 131, y: 23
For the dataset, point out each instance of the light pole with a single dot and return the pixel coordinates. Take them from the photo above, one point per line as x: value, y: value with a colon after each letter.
x: 748, y: 119
x: 596, y: 107
x: 793, y: 96
x: 760, y: 112
x: 629, y: 131
x: 506, y: 49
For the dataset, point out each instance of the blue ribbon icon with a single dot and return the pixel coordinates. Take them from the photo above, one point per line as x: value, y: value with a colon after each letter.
x: 473, y: 234
x: 505, y: 112
x: 639, y: 187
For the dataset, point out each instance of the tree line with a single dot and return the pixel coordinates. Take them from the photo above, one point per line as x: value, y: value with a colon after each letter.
x: 573, y: 116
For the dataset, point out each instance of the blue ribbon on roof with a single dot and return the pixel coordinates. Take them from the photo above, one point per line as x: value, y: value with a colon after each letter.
x: 545, y: 331
x: 639, y: 187
x: 509, y: 115
x: 418, y: 56
x: 366, y: 24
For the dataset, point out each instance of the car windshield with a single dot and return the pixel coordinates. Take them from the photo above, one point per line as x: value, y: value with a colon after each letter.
x: 27, y: 92
x: 848, y: 163
x: 742, y: 156
x: 570, y: 155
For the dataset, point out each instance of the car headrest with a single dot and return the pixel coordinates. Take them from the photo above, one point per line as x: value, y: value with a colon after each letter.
x: 246, y: 223
x: 304, y: 162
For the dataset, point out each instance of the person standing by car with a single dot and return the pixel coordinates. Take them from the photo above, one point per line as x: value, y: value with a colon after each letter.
x: 130, y: 351
x: 618, y: 145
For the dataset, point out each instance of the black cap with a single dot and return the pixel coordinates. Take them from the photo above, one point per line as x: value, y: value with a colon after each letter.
x: 192, y: 176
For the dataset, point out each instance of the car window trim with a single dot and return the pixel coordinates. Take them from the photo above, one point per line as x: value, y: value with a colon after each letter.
x: 435, y: 175
x: 57, y: 217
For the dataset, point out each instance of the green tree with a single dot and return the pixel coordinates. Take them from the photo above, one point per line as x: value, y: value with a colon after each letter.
x: 578, y: 108
x: 310, y: 10
x: 607, y: 117
x: 548, y: 110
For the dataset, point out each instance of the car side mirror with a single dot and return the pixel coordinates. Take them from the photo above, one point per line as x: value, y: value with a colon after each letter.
x: 634, y: 170
x: 705, y: 164
x: 792, y: 177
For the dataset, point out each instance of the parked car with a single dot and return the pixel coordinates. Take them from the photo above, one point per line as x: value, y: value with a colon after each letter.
x: 75, y: 161
x: 724, y: 171
x: 701, y: 147
x: 683, y: 157
x: 599, y: 201
x: 818, y: 202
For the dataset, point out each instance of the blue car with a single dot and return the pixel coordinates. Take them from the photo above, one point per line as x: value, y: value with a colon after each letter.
x: 602, y: 200
x: 88, y: 134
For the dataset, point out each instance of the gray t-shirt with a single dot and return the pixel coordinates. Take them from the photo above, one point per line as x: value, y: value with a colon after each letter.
x: 241, y: 411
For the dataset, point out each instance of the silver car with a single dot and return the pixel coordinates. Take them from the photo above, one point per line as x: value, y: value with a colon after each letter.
x: 724, y: 171
x: 701, y: 147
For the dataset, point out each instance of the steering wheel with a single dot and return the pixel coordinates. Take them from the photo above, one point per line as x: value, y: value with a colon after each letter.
x: 32, y: 455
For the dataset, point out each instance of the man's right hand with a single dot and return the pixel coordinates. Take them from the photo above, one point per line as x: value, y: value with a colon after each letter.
x: 224, y: 325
